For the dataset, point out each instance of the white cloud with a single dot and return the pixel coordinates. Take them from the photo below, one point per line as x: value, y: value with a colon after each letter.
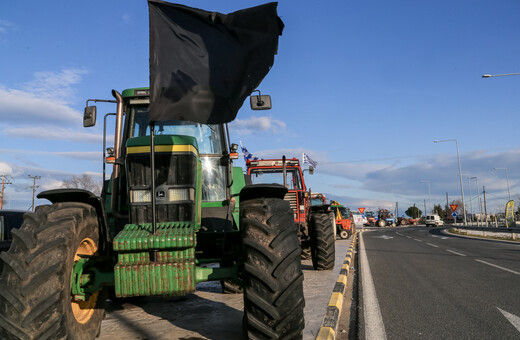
x: 54, y: 86
x: 83, y: 155
x: 19, y: 106
x: 6, y: 169
x: 5, y: 26
x: 255, y: 125
x: 43, y: 100
x: 53, y: 133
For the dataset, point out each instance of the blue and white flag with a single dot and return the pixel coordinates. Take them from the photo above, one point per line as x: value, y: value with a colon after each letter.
x: 308, y: 160
x: 248, y: 156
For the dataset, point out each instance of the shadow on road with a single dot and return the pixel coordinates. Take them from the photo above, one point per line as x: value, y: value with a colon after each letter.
x: 210, y: 318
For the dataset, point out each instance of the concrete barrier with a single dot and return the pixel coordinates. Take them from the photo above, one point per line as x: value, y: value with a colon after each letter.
x: 332, y: 315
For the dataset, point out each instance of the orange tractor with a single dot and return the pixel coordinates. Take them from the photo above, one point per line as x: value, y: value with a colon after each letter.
x: 344, y: 220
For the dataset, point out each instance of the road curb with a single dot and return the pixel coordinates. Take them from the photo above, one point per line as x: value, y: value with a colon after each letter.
x: 330, y: 320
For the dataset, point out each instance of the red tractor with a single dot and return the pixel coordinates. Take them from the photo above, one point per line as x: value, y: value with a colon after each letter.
x: 316, y: 232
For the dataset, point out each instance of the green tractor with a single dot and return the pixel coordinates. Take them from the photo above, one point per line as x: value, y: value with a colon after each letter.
x: 173, y: 204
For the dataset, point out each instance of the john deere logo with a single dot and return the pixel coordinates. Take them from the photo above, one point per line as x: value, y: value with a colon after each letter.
x: 160, y: 194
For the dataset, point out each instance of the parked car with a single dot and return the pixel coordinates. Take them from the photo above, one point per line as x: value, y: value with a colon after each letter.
x: 433, y: 221
x: 9, y: 220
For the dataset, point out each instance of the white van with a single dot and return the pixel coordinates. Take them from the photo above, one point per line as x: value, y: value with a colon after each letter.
x: 433, y: 221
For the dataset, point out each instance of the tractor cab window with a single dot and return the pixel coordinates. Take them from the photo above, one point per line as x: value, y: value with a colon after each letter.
x: 208, y: 136
x: 275, y: 176
x: 210, y: 146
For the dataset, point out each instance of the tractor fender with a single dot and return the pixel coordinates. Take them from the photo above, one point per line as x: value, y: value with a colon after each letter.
x: 323, y: 208
x: 253, y: 191
x: 82, y: 196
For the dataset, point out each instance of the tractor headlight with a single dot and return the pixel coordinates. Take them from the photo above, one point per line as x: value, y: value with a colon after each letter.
x: 181, y: 194
x: 140, y: 196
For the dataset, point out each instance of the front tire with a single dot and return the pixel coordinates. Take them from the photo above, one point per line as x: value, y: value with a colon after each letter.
x: 381, y: 223
x: 273, y: 290
x: 35, y: 285
x: 344, y: 234
x: 322, y: 242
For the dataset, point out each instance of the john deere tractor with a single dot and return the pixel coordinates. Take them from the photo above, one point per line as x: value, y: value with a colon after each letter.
x: 172, y: 204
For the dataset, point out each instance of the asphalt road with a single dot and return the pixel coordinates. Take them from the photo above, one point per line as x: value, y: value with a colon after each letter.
x: 418, y: 283
x: 210, y: 314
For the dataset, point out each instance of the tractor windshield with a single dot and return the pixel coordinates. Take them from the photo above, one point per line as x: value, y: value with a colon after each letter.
x: 316, y: 201
x: 275, y: 176
x: 208, y: 136
x: 211, y: 145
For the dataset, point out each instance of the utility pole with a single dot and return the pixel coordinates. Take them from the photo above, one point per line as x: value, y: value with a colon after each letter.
x: 424, y: 208
x: 447, y: 205
x: 485, y: 204
x: 4, y: 183
x: 34, y: 186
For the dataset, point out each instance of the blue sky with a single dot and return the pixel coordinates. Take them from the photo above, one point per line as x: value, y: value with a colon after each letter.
x: 362, y: 87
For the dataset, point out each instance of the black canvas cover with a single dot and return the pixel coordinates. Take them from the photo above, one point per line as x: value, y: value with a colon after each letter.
x: 203, y: 65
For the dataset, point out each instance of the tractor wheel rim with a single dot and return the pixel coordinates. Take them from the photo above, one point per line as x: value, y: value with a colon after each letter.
x: 83, y: 310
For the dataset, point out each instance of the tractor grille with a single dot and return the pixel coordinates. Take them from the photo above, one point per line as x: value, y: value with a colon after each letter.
x: 291, y: 197
x: 172, y: 171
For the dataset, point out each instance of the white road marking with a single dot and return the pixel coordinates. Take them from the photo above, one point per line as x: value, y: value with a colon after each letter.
x: 433, y: 245
x: 441, y: 237
x: 399, y: 234
x: 386, y: 237
x: 374, y: 326
x: 417, y: 240
x: 515, y: 320
x: 409, y: 236
x: 454, y: 252
x: 499, y: 267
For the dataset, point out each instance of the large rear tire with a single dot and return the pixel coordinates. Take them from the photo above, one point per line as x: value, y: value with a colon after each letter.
x: 322, y: 242
x: 273, y: 277
x: 381, y: 223
x: 35, y: 285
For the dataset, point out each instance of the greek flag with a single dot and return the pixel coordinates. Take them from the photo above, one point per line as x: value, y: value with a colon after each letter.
x: 248, y: 156
x: 308, y: 160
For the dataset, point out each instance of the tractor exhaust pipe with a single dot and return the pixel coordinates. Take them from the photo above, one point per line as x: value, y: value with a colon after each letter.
x: 117, y: 155
x: 284, y: 172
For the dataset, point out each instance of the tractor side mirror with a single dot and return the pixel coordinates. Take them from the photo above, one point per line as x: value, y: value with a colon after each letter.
x: 260, y: 102
x: 311, y: 170
x: 89, y: 116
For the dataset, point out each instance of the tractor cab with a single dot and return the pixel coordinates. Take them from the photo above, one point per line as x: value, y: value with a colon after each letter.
x: 286, y: 172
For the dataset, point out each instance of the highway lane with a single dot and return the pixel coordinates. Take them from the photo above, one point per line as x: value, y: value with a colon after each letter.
x: 430, y: 285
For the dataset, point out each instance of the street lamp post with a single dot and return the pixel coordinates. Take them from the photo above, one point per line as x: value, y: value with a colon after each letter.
x: 470, y: 200
x: 499, y: 75
x: 460, y: 175
x: 507, y: 179
x: 479, y: 201
x: 429, y: 193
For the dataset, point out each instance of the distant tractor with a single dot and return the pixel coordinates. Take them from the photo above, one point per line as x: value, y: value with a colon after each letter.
x: 313, y: 222
x: 371, y: 218
x: 386, y: 218
x: 406, y: 221
x: 344, y: 221
x: 319, y: 199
